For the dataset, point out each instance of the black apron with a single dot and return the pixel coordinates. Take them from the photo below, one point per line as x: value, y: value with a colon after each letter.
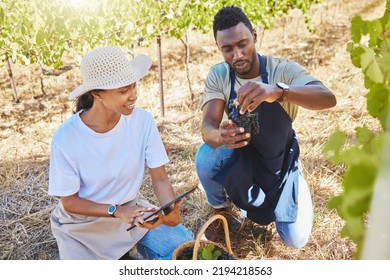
x: 255, y: 175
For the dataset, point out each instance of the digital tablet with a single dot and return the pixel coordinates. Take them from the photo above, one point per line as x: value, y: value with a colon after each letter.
x: 165, y: 206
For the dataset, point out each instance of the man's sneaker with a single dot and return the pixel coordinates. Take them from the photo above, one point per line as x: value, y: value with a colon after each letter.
x: 215, y: 231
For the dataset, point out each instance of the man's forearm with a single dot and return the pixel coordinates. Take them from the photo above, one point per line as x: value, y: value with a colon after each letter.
x: 312, y: 97
x: 211, y: 136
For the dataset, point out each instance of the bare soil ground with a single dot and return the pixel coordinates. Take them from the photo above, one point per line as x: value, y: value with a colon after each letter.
x: 26, y: 129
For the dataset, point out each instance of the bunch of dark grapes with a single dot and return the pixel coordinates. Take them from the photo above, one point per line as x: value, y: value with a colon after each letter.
x: 225, y: 256
x: 249, y: 121
x: 186, y: 254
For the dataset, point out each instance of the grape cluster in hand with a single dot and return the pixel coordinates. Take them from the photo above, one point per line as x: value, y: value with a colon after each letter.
x: 249, y: 121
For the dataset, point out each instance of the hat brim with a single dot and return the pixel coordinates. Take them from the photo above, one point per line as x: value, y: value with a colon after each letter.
x: 139, y: 64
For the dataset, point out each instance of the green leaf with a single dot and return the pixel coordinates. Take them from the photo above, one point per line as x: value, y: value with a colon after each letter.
x: 374, y: 28
x: 208, y: 252
x: 368, y: 83
x: 356, y: 56
x: 207, y: 255
x: 335, y: 144
x: 335, y: 202
x: 350, y: 46
x: 378, y: 102
x: 354, y: 229
x: 357, y: 202
x: 361, y: 176
x: 364, y: 135
x: 216, y: 254
x: 386, y: 62
x: 357, y: 25
x: 374, y: 72
x: 354, y: 155
x: 182, y: 4
x: 370, y: 66
x: 367, y: 58
x: 40, y: 37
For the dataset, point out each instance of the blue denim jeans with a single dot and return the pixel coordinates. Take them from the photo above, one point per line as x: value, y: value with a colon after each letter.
x: 209, y: 161
x: 160, y: 242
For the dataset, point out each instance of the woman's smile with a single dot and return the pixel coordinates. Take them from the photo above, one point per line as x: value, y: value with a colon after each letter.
x: 129, y: 106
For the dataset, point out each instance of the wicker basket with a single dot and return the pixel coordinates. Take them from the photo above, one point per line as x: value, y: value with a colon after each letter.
x: 198, y: 242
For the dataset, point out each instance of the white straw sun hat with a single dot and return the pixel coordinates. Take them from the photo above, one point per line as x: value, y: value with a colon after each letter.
x: 110, y: 68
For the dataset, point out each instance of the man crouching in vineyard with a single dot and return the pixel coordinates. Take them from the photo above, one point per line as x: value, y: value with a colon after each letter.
x: 251, y: 158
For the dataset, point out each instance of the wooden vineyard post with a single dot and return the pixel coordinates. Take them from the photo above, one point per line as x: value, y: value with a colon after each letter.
x: 160, y: 76
x: 11, y: 77
x: 187, y: 65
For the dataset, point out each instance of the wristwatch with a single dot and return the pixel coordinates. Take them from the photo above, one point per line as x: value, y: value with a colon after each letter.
x: 111, y: 210
x: 285, y: 89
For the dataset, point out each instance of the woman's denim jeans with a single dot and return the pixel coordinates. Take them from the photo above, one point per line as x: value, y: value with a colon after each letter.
x: 209, y: 161
x: 160, y: 242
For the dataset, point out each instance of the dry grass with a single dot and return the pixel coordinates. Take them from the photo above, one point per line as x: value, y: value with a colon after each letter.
x: 27, y: 127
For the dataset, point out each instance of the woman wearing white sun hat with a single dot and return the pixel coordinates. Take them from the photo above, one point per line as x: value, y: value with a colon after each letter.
x: 97, y: 164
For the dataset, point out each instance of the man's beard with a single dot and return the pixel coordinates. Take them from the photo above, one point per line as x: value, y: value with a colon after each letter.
x: 243, y: 72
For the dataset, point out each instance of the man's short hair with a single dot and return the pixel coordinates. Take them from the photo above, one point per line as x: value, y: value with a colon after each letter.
x: 228, y: 17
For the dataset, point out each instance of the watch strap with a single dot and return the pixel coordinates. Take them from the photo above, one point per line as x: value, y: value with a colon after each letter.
x: 284, y: 94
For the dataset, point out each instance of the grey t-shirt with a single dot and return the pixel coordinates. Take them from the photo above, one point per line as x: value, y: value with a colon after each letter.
x: 217, y: 83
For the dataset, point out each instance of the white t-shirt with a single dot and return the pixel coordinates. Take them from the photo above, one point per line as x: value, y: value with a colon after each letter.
x: 104, y: 167
x: 217, y: 83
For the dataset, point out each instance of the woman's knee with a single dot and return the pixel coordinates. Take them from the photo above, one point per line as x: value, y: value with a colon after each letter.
x: 181, y: 235
x: 160, y: 242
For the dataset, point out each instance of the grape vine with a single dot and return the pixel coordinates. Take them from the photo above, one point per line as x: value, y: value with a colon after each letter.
x: 44, y: 31
x: 363, y: 157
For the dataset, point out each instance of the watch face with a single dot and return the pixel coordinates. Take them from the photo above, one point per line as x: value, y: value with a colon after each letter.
x: 111, y: 209
x: 283, y: 86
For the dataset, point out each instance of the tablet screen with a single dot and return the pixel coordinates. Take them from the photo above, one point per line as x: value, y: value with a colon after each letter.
x: 165, y: 206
